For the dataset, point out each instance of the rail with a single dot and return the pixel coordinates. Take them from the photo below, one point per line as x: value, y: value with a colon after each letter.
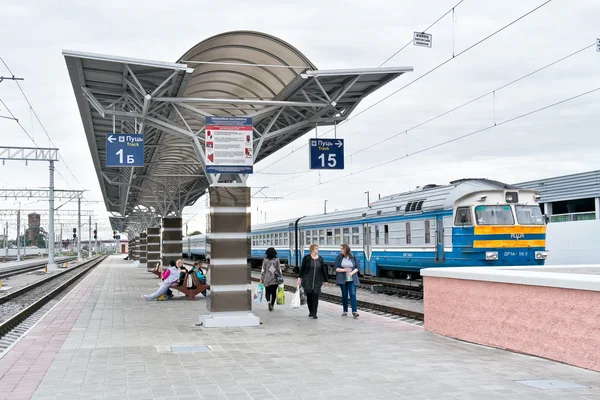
x: 15, y: 320
x: 6, y: 272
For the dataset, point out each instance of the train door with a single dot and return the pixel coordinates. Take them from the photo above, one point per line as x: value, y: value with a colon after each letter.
x: 439, y: 253
x: 367, y: 248
x: 292, y: 247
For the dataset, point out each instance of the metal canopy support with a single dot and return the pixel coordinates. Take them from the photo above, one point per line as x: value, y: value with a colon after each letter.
x: 37, y: 154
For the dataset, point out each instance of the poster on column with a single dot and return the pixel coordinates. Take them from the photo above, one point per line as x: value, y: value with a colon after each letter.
x: 229, y: 145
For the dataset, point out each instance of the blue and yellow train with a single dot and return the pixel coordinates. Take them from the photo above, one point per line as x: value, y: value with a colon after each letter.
x: 470, y: 222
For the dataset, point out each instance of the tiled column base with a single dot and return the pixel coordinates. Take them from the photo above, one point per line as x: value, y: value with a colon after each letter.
x: 172, y: 248
x: 136, y: 249
x: 143, y: 257
x: 230, y: 302
x: 153, y: 246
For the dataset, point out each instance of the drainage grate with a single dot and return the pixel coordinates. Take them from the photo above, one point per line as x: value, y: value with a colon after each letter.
x: 190, y: 349
x: 549, y: 384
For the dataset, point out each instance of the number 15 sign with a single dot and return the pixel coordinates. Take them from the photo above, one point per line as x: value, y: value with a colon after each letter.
x: 326, y: 153
x: 124, y: 150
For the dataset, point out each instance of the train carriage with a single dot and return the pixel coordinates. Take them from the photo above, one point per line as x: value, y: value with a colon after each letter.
x: 470, y: 222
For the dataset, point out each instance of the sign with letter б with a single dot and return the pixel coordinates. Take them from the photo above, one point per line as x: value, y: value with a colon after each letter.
x: 124, y: 150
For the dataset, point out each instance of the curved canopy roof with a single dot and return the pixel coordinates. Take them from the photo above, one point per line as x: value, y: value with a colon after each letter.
x: 240, y: 73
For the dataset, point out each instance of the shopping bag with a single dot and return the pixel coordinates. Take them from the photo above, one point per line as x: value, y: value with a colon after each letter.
x: 280, y: 295
x: 302, y: 296
x: 296, y: 298
x: 258, y: 293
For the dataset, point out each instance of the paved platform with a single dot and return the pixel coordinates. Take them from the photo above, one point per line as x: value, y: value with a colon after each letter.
x: 102, y: 341
x: 365, y: 295
x: 31, y: 261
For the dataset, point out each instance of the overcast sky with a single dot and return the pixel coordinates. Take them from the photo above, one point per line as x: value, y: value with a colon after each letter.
x: 333, y: 34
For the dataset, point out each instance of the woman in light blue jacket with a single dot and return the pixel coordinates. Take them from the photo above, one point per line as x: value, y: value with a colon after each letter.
x: 346, y: 268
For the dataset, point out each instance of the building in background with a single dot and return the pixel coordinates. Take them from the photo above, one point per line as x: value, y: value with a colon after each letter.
x: 34, y: 221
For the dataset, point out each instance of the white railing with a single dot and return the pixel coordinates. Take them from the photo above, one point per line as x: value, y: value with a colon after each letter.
x: 584, y: 216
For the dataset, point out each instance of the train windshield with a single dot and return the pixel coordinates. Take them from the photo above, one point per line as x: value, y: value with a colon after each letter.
x: 529, y: 215
x: 494, y: 215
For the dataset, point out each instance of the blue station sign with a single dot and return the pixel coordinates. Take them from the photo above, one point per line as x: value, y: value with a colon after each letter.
x: 124, y: 150
x: 326, y: 153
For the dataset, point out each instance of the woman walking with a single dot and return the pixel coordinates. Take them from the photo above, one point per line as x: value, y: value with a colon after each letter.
x: 346, y: 277
x: 269, y: 275
x: 313, y: 274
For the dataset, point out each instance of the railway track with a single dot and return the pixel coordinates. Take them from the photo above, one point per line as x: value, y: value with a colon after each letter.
x: 18, y: 322
x: 6, y: 272
x: 398, y: 313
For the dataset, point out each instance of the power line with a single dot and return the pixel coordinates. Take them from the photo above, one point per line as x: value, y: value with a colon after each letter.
x: 40, y: 122
x: 417, y: 79
x: 451, y: 140
x: 405, y: 131
x: 423, y: 31
x: 30, y: 137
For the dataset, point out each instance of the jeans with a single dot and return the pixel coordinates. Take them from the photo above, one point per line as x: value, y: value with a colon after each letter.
x: 271, y: 293
x: 161, y: 290
x: 348, y: 289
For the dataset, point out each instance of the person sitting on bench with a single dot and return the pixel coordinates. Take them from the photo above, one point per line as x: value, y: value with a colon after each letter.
x: 170, y: 277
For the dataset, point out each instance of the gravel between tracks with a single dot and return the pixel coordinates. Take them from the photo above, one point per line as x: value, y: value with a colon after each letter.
x: 15, y: 305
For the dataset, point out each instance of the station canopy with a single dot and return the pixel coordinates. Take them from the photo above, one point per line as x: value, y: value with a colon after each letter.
x: 238, y: 73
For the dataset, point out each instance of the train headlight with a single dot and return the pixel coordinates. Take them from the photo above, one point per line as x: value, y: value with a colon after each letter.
x: 541, y: 255
x: 491, y: 255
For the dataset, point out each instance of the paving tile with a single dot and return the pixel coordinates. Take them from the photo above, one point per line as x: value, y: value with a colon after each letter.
x: 108, y: 343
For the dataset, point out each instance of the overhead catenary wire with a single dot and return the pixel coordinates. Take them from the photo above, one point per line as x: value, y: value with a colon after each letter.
x: 454, y: 57
x: 41, y: 124
x: 487, y: 128
x: 423, y: 31
x: 405, y: 131
x: 31, y: 138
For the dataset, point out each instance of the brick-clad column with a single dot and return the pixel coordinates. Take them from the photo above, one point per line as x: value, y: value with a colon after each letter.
x: 143, y: 257
x: 130, y: 249
x: 153, y: 247
x: 172, y: 248
x: 230, y: 301
x: 136, y: 249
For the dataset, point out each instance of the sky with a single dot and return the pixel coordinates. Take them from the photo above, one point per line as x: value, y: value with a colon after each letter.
x: 350, y: 34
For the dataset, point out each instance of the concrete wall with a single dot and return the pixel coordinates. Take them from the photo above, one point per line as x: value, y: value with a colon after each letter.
x: 555, y: 323
x: 573, y: 242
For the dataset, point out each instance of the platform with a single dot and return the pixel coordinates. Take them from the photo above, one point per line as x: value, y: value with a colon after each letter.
x: 548, y: 311
x: 102, y: 341
x: 31, y: 261
x: 365, y: 295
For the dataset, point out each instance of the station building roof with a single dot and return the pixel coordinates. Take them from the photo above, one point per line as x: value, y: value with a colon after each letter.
x: 583, y: 185
x: 239, y: 73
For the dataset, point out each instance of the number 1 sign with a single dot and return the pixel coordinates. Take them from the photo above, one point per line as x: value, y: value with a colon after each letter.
x: 326, y: 153
x: 123, y: 150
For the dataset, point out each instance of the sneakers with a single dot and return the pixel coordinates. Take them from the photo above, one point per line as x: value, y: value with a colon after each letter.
x: 144, y: 297
x: 354, y: 315
x: 345, y: 314
x: 315, y: 317
x: 270, y: 307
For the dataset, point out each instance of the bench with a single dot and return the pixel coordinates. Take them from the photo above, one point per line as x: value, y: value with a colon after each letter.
x: 191, y: 293
x: 156, y: 271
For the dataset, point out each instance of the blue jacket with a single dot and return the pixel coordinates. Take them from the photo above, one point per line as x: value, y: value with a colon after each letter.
x: 340, y: 277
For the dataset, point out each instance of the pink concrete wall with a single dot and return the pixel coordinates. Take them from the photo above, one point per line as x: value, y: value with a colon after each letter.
x: 559, y: 324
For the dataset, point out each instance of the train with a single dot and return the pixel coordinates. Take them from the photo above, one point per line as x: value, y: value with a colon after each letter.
x: 469, y: 222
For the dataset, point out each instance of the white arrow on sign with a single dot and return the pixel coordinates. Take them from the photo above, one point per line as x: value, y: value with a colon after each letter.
x: 339, y: 144
x: 111, y: 139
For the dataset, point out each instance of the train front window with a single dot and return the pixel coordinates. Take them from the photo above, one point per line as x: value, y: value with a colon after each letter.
x: 494, y: 215
x: 529, y: 215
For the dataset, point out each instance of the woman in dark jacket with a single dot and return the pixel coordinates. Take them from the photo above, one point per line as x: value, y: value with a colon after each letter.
x: 346, y: 277
x: 313, y: 274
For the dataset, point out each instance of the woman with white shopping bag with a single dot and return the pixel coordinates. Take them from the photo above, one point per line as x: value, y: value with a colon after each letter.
x: 313, y: 274
x: 269, y: 275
